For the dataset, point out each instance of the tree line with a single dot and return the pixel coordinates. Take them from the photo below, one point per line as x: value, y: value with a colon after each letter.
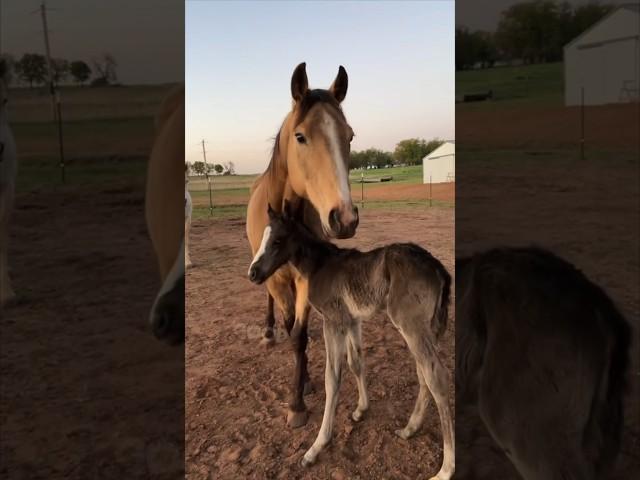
x: 407, y: 152
x: 200, y: 168
x: 31, y: 69
x: 530, y: 32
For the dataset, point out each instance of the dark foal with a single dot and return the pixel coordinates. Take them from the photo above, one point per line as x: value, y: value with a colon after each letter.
x: 347, y: 286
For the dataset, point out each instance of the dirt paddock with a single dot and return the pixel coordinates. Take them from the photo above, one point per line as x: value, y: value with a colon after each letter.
x: 236, y: 389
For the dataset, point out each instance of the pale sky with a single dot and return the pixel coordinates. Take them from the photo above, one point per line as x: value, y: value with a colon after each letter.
x: 240, y: 56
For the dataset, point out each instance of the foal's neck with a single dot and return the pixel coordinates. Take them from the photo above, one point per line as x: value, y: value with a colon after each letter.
x: 311, y: 252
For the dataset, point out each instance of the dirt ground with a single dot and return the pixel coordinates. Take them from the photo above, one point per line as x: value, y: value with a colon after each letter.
x: 86, y: 391
x: 373, y: 192
x: 236, y: 389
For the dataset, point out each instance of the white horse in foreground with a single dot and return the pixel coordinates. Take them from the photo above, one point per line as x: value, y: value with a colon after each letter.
x: 165, y: 217
x: 8, y: 172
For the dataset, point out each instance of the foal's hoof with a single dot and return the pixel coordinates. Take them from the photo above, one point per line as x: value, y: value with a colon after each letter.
x: 404, y: 434
x: 268, y: 341
x: 297, y: 419
x: 357, y: 415
x: 305, y: 462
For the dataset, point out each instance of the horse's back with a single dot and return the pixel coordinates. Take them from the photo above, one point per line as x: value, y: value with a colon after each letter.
x: 164, y: 210
x: 541, y: 349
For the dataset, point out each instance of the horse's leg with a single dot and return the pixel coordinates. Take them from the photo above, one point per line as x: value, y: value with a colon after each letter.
x: 297, y: 415
x: 334, y: 342
x: 279, y: 290
x: 6, y: 292
x: 187, y: 257
x: 436, y: 377
x: 356, y: 364
x: 419, y: 410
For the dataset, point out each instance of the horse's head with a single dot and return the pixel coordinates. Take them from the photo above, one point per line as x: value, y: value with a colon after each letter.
x: 318, y: 139
x: 279, y: 244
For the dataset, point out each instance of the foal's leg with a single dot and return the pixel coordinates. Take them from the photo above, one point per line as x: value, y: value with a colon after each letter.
x: 437, y: 379
x: 422, y: 402
x: 334, y: 342
x: 356, y: 364
x: 297, y: 415
x: 279, y: 290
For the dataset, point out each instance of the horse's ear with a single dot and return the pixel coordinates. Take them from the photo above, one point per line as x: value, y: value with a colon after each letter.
x: 339, y: 86
x: 271, y: 212
x: 299, y: 82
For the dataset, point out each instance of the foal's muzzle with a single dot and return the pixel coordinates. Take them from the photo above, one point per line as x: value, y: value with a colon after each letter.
x: 344, y: 221
x: 255, y: 275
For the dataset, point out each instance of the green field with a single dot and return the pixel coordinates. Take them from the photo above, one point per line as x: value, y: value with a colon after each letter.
x: 230, y: 193
x: 513, y: 86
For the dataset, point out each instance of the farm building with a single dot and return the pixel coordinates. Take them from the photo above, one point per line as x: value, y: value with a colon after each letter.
x: 605, y: 60
x: 440, y: 165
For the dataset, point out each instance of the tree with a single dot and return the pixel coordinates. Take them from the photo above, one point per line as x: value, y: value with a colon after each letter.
x: 413, y: 150
x: 60, y: 68
x: 80, y: 71
x: 199, y: 168
x: 218, y: 168
x: 7, y: 68
x: 230, y: 167
x: 33, y: 68
x: 105, y: 67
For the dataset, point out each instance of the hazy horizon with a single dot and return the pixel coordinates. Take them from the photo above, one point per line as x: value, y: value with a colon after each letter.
x: 240, y: 56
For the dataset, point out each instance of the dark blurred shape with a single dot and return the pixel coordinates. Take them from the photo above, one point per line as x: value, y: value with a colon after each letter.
x: 535, y: 168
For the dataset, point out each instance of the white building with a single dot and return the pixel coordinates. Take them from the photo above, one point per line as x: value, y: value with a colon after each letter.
x: 605, y: 60
x: 440, y: 165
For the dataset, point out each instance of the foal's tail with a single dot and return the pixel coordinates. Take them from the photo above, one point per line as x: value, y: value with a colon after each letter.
x: 441, y: 313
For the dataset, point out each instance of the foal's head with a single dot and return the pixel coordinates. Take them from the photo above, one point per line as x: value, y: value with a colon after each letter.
x: 280, y: 241
x: 318, y: 140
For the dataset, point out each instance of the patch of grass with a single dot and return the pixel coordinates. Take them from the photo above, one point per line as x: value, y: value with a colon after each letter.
x: 405, y: 204
x: 542, y: 84
x: 219, y: 211
x: 410, y: 174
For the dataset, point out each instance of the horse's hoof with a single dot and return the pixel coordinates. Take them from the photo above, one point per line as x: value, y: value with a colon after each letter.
x: 268, y: 341
x: 403, y: 434
x: 308, y: 388
x: 297, y: 419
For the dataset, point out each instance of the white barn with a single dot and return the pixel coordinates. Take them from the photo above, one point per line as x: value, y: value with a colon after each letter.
x: 605, y: 60
x: 440, y: 165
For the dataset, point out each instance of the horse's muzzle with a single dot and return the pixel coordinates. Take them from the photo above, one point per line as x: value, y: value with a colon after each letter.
x: 344, y: 222
x: 255, y: 276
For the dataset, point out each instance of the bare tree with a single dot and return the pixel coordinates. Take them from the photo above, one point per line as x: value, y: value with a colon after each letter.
x: 105, y: 67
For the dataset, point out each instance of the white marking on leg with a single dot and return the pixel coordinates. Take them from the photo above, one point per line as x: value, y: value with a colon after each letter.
x: 356, y: 364
x: 263, y: 247
x: 335, y: 345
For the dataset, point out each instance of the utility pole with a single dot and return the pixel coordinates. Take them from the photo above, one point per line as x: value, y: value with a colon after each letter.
x: 55, y: 96
x: 206, y: 172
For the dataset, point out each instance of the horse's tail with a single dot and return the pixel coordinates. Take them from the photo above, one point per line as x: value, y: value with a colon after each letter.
x: 441, y: 313
x: 604, y: 427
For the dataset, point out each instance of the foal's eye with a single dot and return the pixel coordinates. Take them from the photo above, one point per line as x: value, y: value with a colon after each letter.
x: 276, y: 243
x: 300, y: 138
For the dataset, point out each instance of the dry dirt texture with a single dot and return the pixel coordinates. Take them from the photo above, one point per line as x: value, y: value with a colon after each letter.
x: 236, y: 389
x: 86, y: 390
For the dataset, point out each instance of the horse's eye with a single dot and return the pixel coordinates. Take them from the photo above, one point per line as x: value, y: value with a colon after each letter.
x: 300, y: 138
x: 276, y: 243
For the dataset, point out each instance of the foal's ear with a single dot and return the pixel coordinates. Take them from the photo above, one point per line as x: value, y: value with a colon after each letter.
x: 339, y: 86
x: 299, y: 82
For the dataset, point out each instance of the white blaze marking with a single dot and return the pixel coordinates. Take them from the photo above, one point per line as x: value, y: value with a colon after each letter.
x: 331, y: 130
x: 263, y: 247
